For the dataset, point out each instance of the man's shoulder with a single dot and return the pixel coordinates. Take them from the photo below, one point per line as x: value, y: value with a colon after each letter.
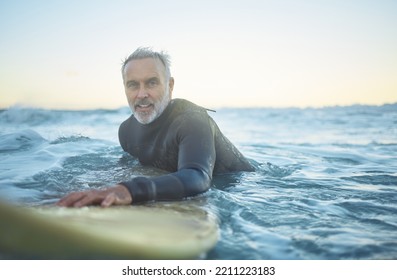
x: 188, y: 117
x: 183, y: 106
x: 126, y: 125
x: 127, y: 121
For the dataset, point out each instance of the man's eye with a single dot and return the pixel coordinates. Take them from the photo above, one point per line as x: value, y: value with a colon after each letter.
x: 132, y: 85
x: 152, y: 83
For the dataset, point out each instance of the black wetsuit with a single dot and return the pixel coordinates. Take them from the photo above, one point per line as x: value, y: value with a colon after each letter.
x: 185, y: 141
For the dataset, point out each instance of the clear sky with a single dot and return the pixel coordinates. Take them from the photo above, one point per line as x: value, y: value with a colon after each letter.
x: 276, y: 53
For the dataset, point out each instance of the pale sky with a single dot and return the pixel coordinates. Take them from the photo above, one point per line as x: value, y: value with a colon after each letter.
x: 277, y: 53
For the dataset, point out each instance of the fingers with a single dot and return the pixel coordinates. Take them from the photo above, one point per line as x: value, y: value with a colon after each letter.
x: 109, y: 200
x: 80, y: 199
x: 117, y: 195
x: 90, y: 198
x: 70, y: 199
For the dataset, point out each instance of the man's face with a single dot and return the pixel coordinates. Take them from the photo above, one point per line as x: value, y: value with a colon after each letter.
x: 148, y: 93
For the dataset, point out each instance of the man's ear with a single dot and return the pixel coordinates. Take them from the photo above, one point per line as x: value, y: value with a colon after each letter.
x: 171, y: 85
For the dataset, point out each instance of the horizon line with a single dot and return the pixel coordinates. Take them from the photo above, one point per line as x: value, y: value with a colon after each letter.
x: 44, y: 108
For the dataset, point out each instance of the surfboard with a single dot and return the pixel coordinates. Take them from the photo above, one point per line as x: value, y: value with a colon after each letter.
x: 154, y: 231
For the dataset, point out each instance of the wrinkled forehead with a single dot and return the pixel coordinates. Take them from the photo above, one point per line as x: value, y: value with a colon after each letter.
x: 144, y: 67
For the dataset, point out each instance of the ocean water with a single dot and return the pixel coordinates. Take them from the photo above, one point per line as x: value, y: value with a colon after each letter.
x: 325, y: 185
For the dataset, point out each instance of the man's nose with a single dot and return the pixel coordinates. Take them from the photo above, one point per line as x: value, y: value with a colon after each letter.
x: 142, y: 93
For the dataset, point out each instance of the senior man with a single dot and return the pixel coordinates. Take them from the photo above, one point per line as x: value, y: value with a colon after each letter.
x: 171, y: 134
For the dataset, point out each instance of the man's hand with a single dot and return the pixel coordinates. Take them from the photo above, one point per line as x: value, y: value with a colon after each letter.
x: 116, y: 195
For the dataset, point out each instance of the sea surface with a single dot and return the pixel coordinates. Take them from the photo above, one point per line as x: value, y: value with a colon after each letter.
x: 325, y: 185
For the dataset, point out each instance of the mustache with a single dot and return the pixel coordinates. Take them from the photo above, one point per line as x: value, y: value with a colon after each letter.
x: 143, y: 102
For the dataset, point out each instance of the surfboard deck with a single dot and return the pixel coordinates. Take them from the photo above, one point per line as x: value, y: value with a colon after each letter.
x: 154, y: 231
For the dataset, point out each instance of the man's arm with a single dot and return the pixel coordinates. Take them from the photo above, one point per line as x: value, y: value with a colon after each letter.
x: 196, y: 160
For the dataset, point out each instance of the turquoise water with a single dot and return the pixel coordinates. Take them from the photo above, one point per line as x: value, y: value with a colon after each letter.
x: 325, y: 185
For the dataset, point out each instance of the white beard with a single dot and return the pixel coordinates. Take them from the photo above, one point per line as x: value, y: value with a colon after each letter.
x: 158, y: 109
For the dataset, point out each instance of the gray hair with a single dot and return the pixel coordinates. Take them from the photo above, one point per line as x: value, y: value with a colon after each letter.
x: 146, y: 52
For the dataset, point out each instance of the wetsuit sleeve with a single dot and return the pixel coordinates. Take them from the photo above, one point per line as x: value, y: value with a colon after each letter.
x: 196, y: 159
